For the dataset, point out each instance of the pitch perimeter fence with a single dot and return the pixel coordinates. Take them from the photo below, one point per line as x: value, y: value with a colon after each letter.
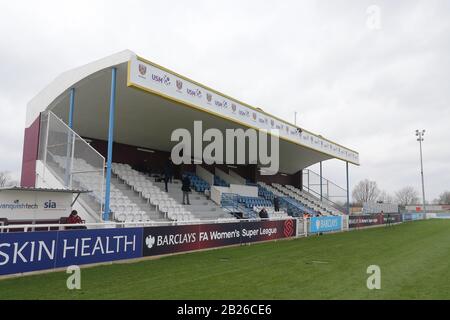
x: 29, y: 251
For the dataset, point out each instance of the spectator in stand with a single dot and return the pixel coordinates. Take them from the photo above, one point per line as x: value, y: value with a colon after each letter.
x: 168, y: 173
x: 276, y: 203
x: 74, y: 218
x: 263, y: 214
x: 186, y: 188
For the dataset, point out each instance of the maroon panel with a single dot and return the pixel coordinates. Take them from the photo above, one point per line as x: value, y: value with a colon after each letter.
x: 30, y: 154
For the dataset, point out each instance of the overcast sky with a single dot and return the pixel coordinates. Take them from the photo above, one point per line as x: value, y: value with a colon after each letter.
x: 364, y: 82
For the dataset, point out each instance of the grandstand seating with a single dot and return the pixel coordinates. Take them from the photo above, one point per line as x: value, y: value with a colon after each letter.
x: 250, y: 202
x: 306, y: 197
x: 220, y: 182
x: 123, y: 206
x: 291, y: 205
x: 265, y: 193
x: 249, y: 206
x: 197, y: 183
x: 148, y: 202
x: 306, y: 200
x: 231, y: 202
x: 168, y: 203
x: 271, y: 211
x: 151, y: 193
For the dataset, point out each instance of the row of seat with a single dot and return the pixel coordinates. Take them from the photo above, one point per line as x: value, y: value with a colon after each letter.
x: 264, y: 193
x: 220, y: 182
x: 250, y: 202
x: 197, y: 183
x: 293, y: 207
x: 153, y: 194
x: 307, y: 198
x: 89, y: 178
x: 271, y: 211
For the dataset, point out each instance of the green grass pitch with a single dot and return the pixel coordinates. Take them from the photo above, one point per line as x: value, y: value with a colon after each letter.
x: 414, y: 258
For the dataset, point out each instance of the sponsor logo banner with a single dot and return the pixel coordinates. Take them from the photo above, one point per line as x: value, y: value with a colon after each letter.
x: 413, y: 216
x: 28, y: 251
x: 325, y: 224
x: 32, y: 251
x: 373, y: 220
x: 16, y: 205
x: 172, y: 239
x: 148, y: 76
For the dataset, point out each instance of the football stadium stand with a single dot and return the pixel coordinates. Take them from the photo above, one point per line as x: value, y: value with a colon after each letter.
x: 102, y: 139
x: 70, y: 142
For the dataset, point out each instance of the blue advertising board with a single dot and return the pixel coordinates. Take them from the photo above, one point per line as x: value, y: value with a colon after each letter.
x: 325, y: 224
x: 413, y: 216
x: 32, y: 251
x: 28, y: 251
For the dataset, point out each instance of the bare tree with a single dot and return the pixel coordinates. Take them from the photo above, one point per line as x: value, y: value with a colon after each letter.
x: 444, y: 198
x: 385, y: 197
x: 4, y: 178
x: 407, y: 196
x: 365, y: 191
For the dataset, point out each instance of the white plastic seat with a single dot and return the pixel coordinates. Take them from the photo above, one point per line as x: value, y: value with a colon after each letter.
x: 121, y: 217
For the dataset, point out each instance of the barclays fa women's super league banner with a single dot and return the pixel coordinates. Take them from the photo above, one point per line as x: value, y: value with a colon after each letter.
x: 171, y: 239
x: 32, y: 251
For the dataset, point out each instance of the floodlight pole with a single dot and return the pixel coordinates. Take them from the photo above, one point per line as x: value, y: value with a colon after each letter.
x: 420, y: 138
x: 112, y: 106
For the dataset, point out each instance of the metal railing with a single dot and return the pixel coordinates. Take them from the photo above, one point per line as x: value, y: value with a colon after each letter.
x: 70, y: 158
x: 230, y: 203
x: 332, y: 194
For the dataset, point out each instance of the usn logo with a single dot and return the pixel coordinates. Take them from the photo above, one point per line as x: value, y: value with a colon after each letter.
x: 254, y: 116
x: 194, y: 92
x: 209, y: 97
x: 142, y: 69
x: 150, y: 241
x: 165, y: 79
x: 233, y: 107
